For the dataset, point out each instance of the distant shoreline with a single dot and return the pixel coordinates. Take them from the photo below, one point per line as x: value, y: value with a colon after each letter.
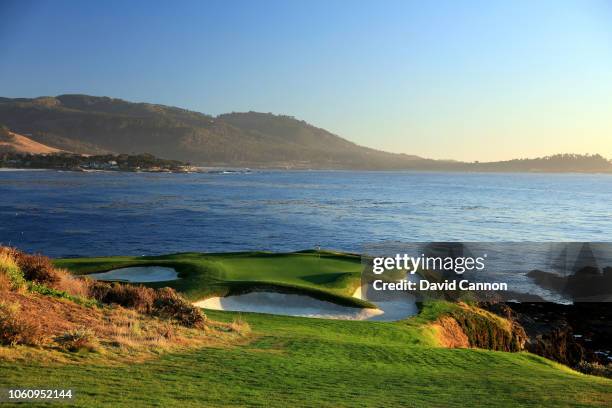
x: 227, y: 170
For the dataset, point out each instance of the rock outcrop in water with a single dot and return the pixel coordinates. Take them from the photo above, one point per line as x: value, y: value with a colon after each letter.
x: 577, y: 335
x: 588, y: 284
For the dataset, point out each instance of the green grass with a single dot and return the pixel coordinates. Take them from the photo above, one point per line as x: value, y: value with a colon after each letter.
x: 324, y: 275
x: 36, y: 287
x: 302, y: 362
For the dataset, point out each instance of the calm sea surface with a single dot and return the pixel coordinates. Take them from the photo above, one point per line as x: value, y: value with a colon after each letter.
x: 79, y: 214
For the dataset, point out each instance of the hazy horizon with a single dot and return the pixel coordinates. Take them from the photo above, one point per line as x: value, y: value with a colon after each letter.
x: 472, y: 81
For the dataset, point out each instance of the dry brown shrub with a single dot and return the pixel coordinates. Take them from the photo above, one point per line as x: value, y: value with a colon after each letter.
x: 78, y: 339
x: 99, y: 290
x: 165, y: 302
x: 139, y: 298
x: 40, y: 269
x: 17, y: 328
x: 37, y: 268
x: 170, y: 305
x: 73, y: 285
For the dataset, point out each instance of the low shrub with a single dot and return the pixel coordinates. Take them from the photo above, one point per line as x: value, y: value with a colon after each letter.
x: 16, y: 328
x: 78, y: 339
x: 165, y: 302
x: 139, y: 298
x: 75, y: 286
x: 37, y: 268
x: 169, y: 304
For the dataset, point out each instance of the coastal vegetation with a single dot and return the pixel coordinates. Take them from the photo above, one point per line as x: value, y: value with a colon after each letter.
x: 47, y: 308
x: 79, y: 162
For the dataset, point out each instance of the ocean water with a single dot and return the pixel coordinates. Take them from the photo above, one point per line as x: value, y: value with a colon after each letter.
x: 64, y: 214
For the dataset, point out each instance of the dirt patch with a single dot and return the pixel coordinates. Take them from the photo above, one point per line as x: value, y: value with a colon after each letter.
x: 13, y: 142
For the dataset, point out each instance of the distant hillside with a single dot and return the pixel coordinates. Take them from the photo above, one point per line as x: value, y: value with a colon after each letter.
x: 102, y: 125
x: 15, y: 143
x: 88, y: 124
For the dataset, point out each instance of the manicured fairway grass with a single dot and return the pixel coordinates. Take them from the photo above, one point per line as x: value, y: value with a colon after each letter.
x: 325, y: 275
x: 302, y: 362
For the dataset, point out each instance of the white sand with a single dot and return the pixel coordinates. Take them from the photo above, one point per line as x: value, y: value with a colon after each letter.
x: 139, y: 274
x: 396, y: 306
x: 306, y: 306
x: 287, y: 305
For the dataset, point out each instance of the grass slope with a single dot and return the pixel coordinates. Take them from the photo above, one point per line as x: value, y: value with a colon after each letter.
x: 325, y: 275
x: 302, y: 362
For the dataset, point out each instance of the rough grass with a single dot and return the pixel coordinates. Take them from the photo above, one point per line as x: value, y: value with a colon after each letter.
x: 17, y: 328
x: 115, y: 334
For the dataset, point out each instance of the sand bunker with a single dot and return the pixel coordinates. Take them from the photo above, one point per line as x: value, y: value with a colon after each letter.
x: 394, y: 307
x: 140, y: 274
x: 306, y: 306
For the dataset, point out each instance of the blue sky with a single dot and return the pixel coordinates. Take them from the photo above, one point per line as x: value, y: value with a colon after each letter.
x: 473, y: 80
